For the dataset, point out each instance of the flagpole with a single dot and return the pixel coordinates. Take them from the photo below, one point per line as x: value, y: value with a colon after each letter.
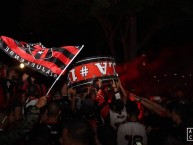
x: 63, y: 71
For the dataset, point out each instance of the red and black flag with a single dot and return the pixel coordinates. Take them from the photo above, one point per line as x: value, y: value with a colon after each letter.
x: 48, y: 61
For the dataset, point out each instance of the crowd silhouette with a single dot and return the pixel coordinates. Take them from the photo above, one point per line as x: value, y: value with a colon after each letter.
x: 105, y: 114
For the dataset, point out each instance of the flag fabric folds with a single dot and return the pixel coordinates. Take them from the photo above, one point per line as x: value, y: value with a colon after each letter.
x: 48, y: 61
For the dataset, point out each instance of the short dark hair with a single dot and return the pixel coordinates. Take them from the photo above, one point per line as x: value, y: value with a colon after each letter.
x: 132, y: 108
x: 79, y: 130
x: 106, y: 135
x: 53, y: 109
x: 118, y: 105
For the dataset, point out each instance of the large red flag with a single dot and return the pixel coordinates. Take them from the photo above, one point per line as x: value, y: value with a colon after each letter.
x: 48, y: 61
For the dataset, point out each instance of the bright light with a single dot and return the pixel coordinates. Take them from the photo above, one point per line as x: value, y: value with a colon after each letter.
x: 21, y: 65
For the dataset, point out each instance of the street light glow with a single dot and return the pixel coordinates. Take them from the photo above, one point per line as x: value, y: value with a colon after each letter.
x: 21, y: 65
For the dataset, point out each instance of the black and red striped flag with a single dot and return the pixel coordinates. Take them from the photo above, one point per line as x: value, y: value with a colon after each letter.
x: 48, y: 61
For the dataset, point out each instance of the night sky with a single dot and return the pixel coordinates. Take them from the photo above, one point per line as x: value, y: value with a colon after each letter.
x: 169, y: 51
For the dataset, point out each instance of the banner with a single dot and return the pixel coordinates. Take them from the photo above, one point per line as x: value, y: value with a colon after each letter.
x: 48, y: 61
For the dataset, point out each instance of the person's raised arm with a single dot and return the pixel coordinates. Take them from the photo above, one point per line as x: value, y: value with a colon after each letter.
x: 64, y: 89
x: 123, y: 91
x: 154, y: 107
x: 100, y: 99
x: 100, y: 94
x: 117, y: 86
x: 157, y: 105
x: 22, y: 128
x: 72, y: 93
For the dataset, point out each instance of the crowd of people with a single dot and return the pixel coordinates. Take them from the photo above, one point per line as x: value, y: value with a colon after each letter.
x: 105, y: 114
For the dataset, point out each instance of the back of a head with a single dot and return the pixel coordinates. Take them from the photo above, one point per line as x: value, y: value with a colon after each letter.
x: 132, y: 108
x: 53, y: 109
x: 106, y: 135
x: 117, y: 105
x: 78, y: 131
x: 57, y: 95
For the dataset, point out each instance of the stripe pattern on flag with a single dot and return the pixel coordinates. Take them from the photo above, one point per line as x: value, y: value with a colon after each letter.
x: 48, y: 61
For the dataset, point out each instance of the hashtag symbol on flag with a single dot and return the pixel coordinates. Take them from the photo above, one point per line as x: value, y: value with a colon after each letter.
x: 84, y: 71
